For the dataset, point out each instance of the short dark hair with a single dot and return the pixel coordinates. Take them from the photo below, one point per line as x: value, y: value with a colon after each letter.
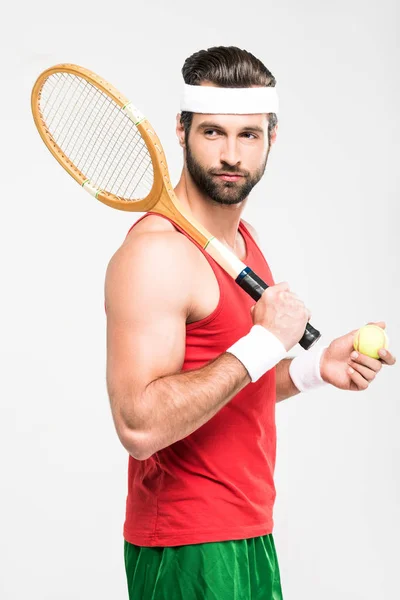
x: 226, y: 66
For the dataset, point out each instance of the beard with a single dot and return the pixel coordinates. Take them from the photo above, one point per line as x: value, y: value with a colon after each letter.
x: 223, y: 192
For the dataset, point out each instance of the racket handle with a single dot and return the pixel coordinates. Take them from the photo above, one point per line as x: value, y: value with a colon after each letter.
x: 255, y: 287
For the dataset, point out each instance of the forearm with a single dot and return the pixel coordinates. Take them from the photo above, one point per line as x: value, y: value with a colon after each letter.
x: 174, y: 406
x: 285, y: 387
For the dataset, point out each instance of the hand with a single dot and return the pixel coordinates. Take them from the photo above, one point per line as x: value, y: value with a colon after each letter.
x: 280, y: 311
x: 337, y: 359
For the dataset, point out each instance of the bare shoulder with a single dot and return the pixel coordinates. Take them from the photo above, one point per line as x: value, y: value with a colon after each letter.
x: 252, y: 231
x: 154, y: 258
x: 155, y: 236
x: 157, y: 230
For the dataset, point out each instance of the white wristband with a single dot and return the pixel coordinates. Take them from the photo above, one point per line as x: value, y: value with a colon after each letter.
x: 304, y: 370
x: 258, y: 351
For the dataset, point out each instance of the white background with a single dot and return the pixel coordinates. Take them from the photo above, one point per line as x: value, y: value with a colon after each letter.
x: 327, y: 213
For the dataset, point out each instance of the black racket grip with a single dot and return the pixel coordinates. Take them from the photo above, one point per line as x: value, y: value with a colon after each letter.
x: 255, y: 287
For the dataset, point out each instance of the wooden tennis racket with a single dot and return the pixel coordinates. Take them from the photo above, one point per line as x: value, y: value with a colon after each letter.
x: 113, y: 152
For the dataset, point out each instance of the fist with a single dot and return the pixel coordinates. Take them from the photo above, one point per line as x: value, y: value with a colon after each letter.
x: 281, y: 312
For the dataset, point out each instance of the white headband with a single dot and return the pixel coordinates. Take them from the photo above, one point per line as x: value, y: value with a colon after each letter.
x: 209, y: 99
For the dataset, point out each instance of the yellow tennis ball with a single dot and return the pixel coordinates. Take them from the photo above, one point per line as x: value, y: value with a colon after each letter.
x: 369, y: 339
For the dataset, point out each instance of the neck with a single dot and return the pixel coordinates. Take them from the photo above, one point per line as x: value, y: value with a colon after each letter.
x: 221, y: 220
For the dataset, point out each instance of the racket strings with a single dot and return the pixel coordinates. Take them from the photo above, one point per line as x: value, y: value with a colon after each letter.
x: 96, y: 135
x: 92, y: 141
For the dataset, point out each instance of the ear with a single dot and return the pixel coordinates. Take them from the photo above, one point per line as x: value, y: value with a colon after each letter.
x: 274, y: 134
x: 180, y: 131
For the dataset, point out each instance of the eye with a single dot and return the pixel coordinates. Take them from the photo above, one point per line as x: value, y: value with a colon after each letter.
x: 248, y: 135
x: 212, y: 132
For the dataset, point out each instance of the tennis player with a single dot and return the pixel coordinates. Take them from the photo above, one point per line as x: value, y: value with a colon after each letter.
x: 195, y: 367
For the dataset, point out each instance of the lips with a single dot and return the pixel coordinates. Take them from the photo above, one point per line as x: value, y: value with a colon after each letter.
x: 226, y: 177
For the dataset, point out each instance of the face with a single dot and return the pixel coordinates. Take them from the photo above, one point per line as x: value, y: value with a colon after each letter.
x: 226, y: 155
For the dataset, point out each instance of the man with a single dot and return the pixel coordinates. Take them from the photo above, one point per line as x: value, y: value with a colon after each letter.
x: 195, y: 367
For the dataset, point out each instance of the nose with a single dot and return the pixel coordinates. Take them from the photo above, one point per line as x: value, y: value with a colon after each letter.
x: 229, y: 152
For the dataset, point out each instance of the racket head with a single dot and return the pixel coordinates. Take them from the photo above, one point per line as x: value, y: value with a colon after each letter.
x: 100, y: 138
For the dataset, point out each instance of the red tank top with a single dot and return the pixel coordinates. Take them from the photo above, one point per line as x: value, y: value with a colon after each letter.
x: 217, y: 483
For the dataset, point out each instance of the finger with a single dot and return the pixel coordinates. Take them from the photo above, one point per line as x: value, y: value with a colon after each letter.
x: 358, y: 379
x: 365, y: 372
x: 387, y: 358
x: 380, y: 324
x: 372, y: 363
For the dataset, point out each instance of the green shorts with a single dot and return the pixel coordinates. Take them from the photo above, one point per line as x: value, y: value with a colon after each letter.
x: 233, y: 570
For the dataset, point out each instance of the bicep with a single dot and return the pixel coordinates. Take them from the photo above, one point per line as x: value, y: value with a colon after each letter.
x: 146, y: 304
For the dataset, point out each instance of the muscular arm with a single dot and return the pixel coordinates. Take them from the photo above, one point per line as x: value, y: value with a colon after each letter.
x: 148, y: 297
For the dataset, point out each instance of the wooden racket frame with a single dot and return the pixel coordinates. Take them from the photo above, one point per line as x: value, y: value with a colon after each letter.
x: 162, y: 198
